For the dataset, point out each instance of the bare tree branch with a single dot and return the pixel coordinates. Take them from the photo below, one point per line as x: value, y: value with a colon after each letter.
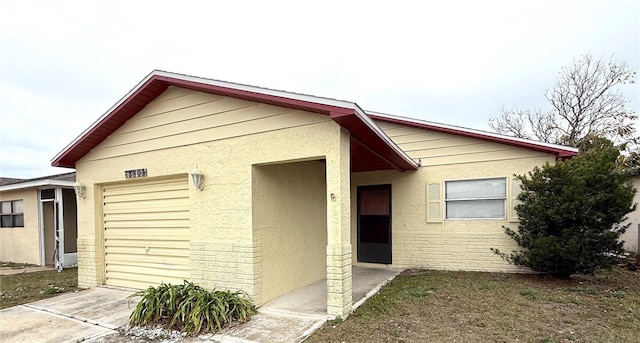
x: 584, y: 101
x: 510, y: 122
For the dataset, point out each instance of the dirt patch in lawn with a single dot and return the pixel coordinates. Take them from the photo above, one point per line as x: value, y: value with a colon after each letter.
x: 14, y: 265
x: 437, y: 306
x: 27, y: 287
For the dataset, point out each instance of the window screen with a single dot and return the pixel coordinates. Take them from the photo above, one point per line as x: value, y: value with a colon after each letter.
x: 484, y: 198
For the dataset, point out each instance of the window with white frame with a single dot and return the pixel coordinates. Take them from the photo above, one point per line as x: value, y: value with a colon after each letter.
x: 476, y: 199
x: 11, y: 214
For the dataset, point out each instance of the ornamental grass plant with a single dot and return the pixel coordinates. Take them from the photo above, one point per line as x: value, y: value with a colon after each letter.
x: 190, y: 308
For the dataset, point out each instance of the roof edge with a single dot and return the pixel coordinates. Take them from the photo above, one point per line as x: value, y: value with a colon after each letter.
x: 556, y: 149
x: 167, y: 77
x: 360, y: 113
x: 38, y: 183
x: 61, y: 153
x: 256, y: 89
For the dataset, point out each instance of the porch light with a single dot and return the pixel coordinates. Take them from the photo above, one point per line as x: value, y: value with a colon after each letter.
x: 197, y: 178
x: 80, y: 189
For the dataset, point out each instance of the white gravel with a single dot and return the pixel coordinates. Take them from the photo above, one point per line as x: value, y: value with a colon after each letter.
x: 155, y: 333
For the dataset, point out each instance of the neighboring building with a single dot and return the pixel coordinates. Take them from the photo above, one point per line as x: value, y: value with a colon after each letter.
x: 296, y: 188
x: 631, y: 237
x: 39, y: 221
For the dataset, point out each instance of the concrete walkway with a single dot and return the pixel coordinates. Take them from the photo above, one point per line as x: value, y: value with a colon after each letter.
x: 12, y: 271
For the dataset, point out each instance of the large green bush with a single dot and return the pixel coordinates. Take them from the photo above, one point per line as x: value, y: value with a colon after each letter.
x: 570, y: 213
x: 190, y: 308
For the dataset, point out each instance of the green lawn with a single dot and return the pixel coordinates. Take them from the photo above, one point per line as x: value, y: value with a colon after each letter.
x: 437, y: 306
x: 27, y: 287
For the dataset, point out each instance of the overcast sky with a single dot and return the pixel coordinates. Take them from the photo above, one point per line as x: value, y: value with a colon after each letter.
x: 64, y: 63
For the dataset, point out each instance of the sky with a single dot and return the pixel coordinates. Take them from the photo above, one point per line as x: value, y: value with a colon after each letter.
x: 65, y: 63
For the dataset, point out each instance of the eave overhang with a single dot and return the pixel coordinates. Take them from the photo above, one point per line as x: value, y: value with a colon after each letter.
x: 560, y: 151
x: 374, y: 150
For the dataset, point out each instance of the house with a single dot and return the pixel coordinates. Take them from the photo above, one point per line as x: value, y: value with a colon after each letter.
x: 631, y: 237
x: 39, y: 221
x: 241, y: 187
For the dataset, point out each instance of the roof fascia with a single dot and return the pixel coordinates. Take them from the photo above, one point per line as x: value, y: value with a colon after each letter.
x: 253, y: 90
x: 39, y: 183
x: 361, y: 114
x: 556, y: 149
x: 103, y: 117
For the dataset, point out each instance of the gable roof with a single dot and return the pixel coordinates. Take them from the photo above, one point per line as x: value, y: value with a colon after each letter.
x: 66, y: 179
x: 371, y: 148
x: 560, y: 151
x: 375, y: 150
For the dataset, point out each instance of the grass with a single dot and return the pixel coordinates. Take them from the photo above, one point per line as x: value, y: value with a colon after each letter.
x: 437, y: 306
x: 14, y: 265
x: 22, y: 288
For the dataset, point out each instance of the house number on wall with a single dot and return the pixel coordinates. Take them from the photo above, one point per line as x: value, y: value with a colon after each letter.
x: 134, y: 173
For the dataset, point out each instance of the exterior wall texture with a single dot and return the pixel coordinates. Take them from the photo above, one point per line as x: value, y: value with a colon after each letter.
x: 225, y: 138
x: 630, y: 237
x: 289, y: 223
x: 418, y: 241
x: 22, y: 244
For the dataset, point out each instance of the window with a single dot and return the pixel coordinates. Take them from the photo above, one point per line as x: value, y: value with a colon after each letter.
x: 472, y: 199
x: 11, y: 214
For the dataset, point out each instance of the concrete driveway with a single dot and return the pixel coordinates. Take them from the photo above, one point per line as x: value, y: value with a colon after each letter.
x: 70, y: 317
x: 93, y: 315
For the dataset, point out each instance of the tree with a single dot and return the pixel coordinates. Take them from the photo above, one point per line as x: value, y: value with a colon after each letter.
x: 570, y: 212
x: 584, y: 101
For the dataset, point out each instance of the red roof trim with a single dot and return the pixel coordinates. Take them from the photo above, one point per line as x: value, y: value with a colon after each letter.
x: 559, y: 153
x: 254, y: 96
x: 156, y: 84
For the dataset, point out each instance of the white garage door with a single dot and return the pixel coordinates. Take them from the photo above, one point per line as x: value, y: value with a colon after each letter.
x: 146, y: 233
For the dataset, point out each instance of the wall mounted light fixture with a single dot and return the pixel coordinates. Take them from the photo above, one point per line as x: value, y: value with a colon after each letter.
x: 80, y: 189
x: 197, y: 178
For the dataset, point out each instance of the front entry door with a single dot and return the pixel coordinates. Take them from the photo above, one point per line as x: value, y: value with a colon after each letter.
x: 374, y: 224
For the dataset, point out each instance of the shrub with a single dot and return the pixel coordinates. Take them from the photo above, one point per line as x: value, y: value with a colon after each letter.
x: 190, y: 308
x: 570, y: 213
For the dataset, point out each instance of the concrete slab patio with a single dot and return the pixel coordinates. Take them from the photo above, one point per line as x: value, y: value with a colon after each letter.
x: 296, y: 315
x: 93, y: 315
x: 312, y: 300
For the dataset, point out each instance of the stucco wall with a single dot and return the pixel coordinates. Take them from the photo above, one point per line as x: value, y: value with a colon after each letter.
x: 22, y: 244
x: 289, y: 222
x: 630, y: 237
x: 446, y: 244
x: 223, y: 253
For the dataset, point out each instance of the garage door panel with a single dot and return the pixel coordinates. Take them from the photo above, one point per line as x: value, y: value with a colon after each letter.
x: 168, y: 224
x: 152, y: 254
x: 134, y: 280
x: 141, y: 239
x: 127, y: 262
x: 144, y: 215
x: 146, y: 233
x: 146, y: 206
x: 148, y: 187
x: 146, y: 197
x: 143, y: 273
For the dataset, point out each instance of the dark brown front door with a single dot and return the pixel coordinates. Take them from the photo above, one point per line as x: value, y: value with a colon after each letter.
x: 374, y: 224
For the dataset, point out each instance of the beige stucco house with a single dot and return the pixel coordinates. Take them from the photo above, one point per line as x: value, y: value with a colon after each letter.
x: 631, y: 237
x: 296, y: 188
x: 38, y: 220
